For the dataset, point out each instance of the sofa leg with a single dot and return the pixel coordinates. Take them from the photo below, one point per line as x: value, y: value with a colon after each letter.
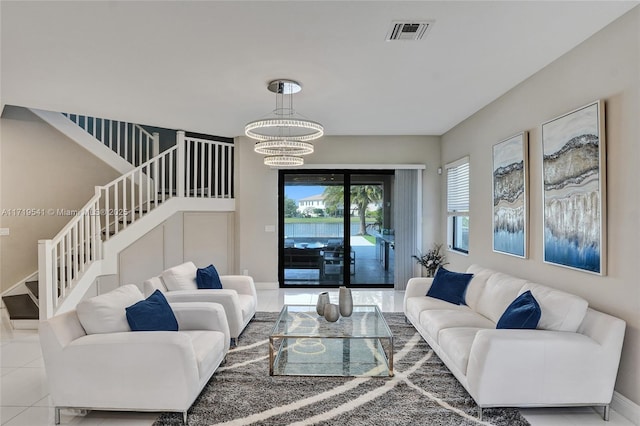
x: 184, y: 417
x: 406, y: 320
x: 480, y: 413
x: 56, y: 415
x: 605, y: 414
x: 234, y: 342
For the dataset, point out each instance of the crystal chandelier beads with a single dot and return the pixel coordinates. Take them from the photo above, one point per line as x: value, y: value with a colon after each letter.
x: 277, y: 147
x: 284, y: 128
x: 283, y: 161
x: 284, y: 136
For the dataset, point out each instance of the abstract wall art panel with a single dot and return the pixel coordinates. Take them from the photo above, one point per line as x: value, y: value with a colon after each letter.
x: 510, y: 203
x: 574, y: 171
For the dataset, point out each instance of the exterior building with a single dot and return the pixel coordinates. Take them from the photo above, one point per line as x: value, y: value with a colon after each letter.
x: 309, y: 205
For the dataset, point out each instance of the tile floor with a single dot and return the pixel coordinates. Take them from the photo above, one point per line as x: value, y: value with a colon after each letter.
x: 24, y: 398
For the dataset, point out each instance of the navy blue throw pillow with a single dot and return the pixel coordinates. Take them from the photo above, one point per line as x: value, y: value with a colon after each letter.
x: 524, y: 312
x: 449, y: 286
x: 208, y: 278
x: 152, y: 314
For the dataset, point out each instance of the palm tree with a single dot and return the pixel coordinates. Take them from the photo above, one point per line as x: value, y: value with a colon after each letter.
x: 361, y: 196
x: 333, y: 199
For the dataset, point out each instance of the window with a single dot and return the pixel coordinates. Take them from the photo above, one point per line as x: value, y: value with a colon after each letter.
x: 458, y: 205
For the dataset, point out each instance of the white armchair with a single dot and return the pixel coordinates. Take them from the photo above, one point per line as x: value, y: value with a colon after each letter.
x: 133, y: 370
x: 238, y: 294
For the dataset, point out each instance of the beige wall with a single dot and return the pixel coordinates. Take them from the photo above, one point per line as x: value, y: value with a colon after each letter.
x: 200, y: 237
x: 40, y: 169
x: 604, y: 67
x: 257, y: 190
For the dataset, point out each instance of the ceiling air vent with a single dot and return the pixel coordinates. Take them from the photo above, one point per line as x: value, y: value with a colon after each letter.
x: 412, y: 30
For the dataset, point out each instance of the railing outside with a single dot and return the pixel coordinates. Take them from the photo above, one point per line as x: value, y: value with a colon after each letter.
x: 194, y: 168
x: 128, y: 140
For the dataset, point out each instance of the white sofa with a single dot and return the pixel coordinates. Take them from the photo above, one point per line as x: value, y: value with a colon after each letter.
x: 570, y: 359
x: 238, y: 294
x: 99, y: 363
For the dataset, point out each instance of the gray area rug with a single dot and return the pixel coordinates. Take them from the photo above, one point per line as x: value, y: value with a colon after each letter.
x: 422, y: 392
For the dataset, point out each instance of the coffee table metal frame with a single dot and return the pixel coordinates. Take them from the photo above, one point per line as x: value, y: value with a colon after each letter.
x: 366, y: 324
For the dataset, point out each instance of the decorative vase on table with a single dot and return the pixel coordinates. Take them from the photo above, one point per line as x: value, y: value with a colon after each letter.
x: 345, y: 301
x: 323, y: 299
x: 331, y: 312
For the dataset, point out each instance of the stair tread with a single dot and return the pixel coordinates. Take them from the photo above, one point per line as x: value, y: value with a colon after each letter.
x: 21, y: 307
x: 33, y: 287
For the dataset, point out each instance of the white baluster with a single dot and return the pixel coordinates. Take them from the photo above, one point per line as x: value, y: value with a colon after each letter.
x: 124, y: 203
x: 87, y: 240
x: 180, y: 165
x: 171, y: 165
x: 202, y: 167
x: 126, y: 143
x: 140, y: 159
x: 46, y: 278
x: 211, y: 168
x: 74, y: 255
x: 133, y: 196
x: 155, y: 181
x: 189, y: 179
x: 148, y: 186
x: 107, y: 221
x: 140, y: 205
x: 81, y: 238
x: 67, y: 265
x: 116, y: 213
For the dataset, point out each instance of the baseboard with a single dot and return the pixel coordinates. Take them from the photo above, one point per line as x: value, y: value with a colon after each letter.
x: 626, y: 408
x: 267, y: 286
x: 25, y: 324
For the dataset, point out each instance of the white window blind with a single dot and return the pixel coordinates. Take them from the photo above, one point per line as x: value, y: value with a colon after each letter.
x: 458, y: 187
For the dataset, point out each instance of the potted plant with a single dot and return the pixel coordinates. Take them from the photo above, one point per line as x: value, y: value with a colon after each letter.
x: 431, y: 260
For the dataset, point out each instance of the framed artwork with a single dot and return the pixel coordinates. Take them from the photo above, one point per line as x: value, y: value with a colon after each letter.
x: 510, y: 202
x: 573, y: 173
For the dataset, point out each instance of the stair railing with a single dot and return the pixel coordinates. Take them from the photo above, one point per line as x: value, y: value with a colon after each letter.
x: 194, y: 168
x: 63, y: 258
x: 130, y: 141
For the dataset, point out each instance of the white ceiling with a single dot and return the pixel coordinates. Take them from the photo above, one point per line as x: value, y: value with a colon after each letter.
x: 203, y: 66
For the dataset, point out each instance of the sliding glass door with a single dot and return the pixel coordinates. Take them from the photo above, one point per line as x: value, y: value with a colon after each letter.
x: 313, y: 249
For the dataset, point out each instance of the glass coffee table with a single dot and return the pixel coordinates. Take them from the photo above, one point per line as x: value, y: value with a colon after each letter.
x: 303, y: 343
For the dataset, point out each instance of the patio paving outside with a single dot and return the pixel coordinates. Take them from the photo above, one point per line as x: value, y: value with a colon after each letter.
x: 368, y: 268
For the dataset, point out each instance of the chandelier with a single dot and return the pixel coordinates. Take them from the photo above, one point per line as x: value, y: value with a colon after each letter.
x: 284, y: 136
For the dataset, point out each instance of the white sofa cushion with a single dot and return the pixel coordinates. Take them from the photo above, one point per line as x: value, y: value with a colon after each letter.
x: 500, y: 290
x: 106, y: 313
x: 560, y: 311
x: 208, y: 347
x: 415, y: 305
x: 477, y: 284
x: 456, y: 343
x: 435, y: 320
x: 247, y: 305
x: 181, y: 277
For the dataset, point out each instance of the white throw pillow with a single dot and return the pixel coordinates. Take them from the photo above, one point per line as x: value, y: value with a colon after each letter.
x: 560, y: 311
x: 106, y: 313
x: 181, y: 277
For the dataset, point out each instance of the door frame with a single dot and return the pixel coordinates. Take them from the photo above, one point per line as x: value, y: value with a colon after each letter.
x: 346, y: 173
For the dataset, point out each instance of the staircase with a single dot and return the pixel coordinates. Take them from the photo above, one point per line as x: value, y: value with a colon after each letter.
x: 196, y: 175
x: 121, y: 145
x: 23, y: 308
